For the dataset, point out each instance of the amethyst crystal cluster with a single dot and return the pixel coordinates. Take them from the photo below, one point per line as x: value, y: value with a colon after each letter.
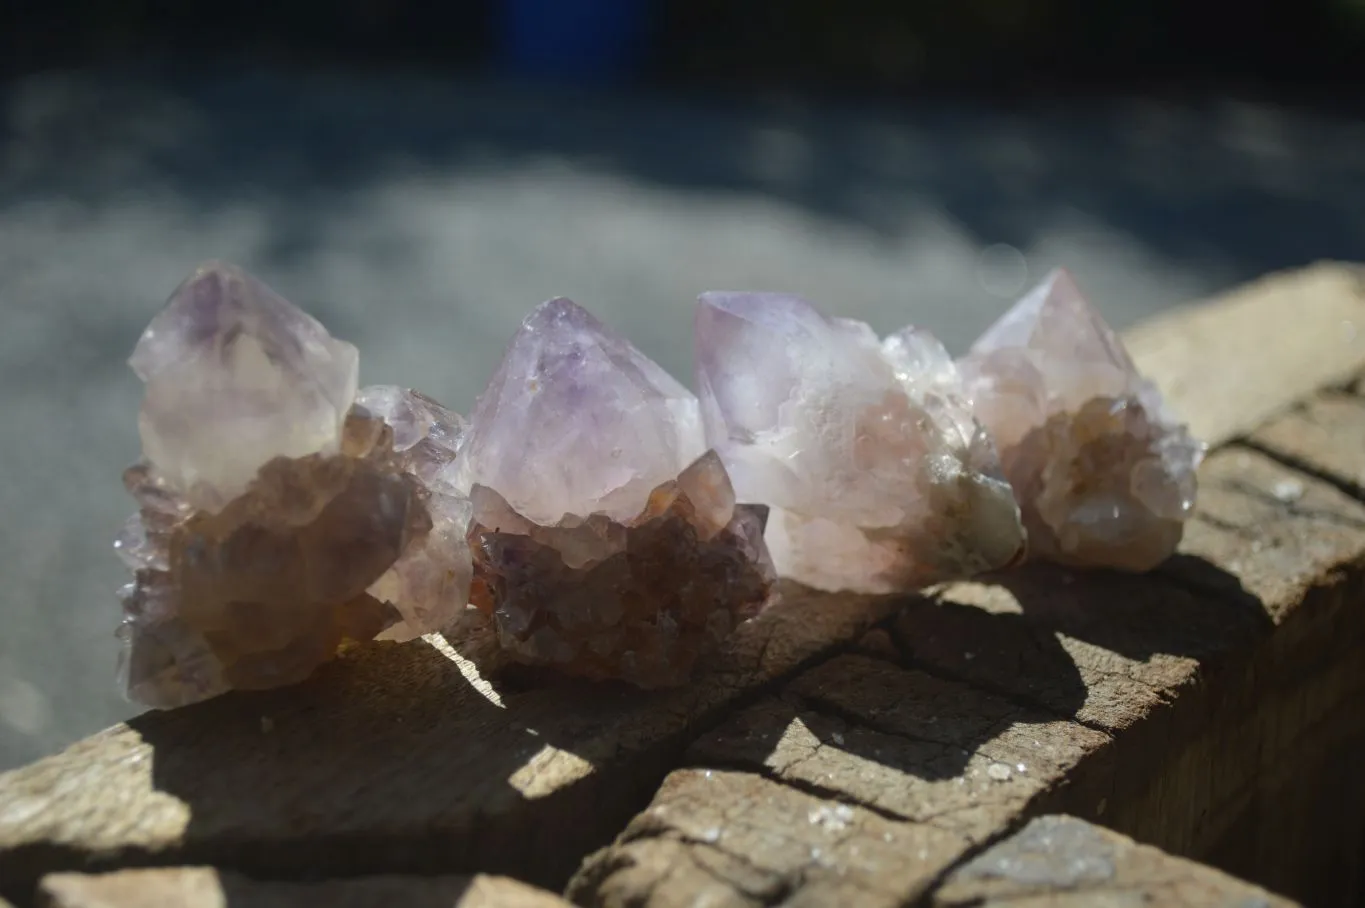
x: 607, y: 522
x: 607, y: 540
x: 280, y: 512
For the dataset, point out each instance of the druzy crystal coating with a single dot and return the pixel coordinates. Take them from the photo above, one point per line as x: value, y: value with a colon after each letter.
x: 878, y: 475
x: 607, y: 541
x: 277, y: 518
x: 1104, y: 473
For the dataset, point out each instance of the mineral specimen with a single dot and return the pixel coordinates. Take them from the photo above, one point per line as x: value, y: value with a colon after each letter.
x: 429, y: 583
x: 276, y: 518
x: 607, y: 541
x: 1104, y: 473
x: 877, y: 474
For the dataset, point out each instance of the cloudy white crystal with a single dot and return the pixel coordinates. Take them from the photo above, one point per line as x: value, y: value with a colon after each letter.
x: 235, y: 376
x: 1104, y: 472
x: 879, y: 477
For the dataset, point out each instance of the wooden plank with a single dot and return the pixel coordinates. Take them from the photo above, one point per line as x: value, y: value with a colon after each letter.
x: 206, y: 887
x: 904, y: 743
x: 1228, y: 364
x: 1324, y: 434
x: 729, y: 839
x: 395, y: 759
x: 1063, y: 862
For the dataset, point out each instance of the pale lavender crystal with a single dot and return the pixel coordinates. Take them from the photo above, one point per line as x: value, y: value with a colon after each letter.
x: 276, y: 519
x: 577, y: 421
x: 235, y: 376
x: 1105, y: 474
x: 426, y: 434
x: 607, y: 544
x: 878, y: 475
x: 429, y: 583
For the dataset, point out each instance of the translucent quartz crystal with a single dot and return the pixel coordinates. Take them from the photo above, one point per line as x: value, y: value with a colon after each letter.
x: 878, y: 476
x: 235, y: 376
x: 429, y: 583
x: 271, y: 529
x: 1104, y: 473
x: 607, y: 544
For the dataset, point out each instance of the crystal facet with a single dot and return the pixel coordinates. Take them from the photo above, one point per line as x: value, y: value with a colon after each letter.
x: 878, y: 476
x: 606, y: 543
x: 235, y: 376
x: 429, y: 583
x: 252, y: 564
x: 1104, y: 473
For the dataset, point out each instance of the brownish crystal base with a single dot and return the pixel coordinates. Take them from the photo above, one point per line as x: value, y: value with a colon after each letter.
x: 669, y: 587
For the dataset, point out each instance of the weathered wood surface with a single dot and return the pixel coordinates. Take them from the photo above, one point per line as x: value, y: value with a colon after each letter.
x: 394, y: 759
x: 1062, y: 862
x: 1231, y: 363
x: 205, y: 887
x: 1203, y: 708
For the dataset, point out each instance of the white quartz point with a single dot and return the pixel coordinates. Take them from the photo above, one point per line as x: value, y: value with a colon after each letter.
x: 878, y: 475
x: 235, y: 376
x: 1105, y: 474
x: 577, y: 421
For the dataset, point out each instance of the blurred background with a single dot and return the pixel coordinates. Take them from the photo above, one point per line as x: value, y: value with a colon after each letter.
x: 419, y: 175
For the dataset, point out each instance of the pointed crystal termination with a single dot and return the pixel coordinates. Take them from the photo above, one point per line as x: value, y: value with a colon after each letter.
x: 235, y: 375
x: 332, y: 535
x: 607, y: 544
x: 1104, y: 473
x: 878, y: 476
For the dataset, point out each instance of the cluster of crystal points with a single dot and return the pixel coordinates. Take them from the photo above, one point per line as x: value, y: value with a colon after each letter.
x: 608, y: 523
x: 1104, y: 473
x: 878, y: 475
x: 278, y: 516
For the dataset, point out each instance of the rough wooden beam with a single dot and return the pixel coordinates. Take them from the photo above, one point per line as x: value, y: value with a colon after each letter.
x: 1324, y: 435
x: 393, y: 759
x: 1063, y: 862
x: 205, y: 887
x: 737, y: 840
x: 1232, y: 362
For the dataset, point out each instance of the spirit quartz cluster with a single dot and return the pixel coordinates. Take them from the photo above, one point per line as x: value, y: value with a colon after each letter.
x: 1104, y: 472
x: 279, y: 515
x: 608, y: 523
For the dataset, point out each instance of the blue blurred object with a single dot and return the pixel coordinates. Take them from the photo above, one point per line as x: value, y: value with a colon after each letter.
x: 591, y: 40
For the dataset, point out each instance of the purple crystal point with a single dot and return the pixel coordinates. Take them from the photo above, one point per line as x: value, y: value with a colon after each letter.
x: 607, y: 544
x: 578, y: 421
x: 235, y: 375
x: 1105, y: 475
x: 878, y: 476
